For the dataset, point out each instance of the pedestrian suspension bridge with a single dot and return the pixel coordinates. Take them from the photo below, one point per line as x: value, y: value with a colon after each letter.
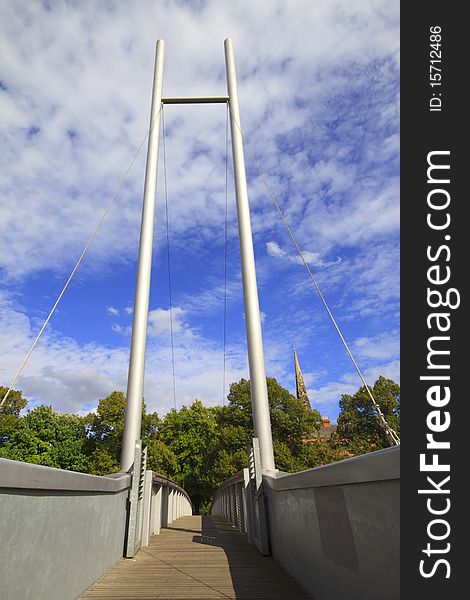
x: 329, y: 533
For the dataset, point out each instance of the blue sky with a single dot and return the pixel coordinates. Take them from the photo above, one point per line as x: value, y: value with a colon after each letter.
x: 319, y: 93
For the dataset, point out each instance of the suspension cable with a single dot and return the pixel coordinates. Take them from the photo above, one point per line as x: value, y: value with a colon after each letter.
x: 225, y: 255
x: 391, y: 434
x: 168, y: 258
x: 77, y: 264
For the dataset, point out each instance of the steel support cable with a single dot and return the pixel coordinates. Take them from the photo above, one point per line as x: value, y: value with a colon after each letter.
x: 391, y: 433
x: 77, y: 264
x: 168, y: 257
x: 225, y: 256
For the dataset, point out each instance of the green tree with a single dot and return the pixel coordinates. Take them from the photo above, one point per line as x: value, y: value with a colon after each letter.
x: 323, y: 451
x: 291, y: 422
x: 226, y: 463
x: 45, y: 437
x: 358, y: 425
x: 287, y: 460
x: 234, y: 428
x: 160, y: 458
x: 105, y: 428
x: 192, y: 436
x: 10, y: 413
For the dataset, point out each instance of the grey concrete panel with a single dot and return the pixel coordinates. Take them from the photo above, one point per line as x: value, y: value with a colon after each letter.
x: 61, y: 530
x: 339, y: 542
x: 335, y: 528
x: 165, y: 506
x: 15, y: 474
x: 156, y: 510
x: 162, y: 480
x: 333, y: 517
x: 376, y: 466
x: 56, y: 544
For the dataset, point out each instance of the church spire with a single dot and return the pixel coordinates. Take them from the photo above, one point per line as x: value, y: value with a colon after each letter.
x: 299, y: 383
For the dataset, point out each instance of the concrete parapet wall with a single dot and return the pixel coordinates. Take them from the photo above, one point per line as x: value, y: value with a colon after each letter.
x: 60, y: 531
x: 335, y: 529
x: 230, y: 501
x: 165, y: 501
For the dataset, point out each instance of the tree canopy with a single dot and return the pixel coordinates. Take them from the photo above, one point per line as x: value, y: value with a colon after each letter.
x: 10, y: 413
x: 105, y: 428
x: 197, y: 446
x: 45, y: 437
x: 291, y: 423
x: 358, y: 425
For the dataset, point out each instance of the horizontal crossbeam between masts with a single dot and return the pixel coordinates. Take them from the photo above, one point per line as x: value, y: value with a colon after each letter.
x: 195, y: 100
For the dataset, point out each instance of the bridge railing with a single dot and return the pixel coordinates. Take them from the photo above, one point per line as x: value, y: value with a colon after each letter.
x: 164, y: 502
x: 335, y: 528
x: 154, y: 502
x: 230, y: 501
x: 61, y: 530
x: 240, y: 499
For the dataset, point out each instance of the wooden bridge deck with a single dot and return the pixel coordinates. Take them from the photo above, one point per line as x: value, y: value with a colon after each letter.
x: 197, y: 558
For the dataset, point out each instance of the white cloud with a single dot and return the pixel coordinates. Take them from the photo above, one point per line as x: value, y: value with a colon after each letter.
x: 379, y: 348
x: 211, y: 298
x: 326, y: 397
x: 314, y: 259
x: 328, y: 148
x: 366, y: 284
x: 72, y: 376
x: 273, y: 249
x: 112, y: 310
x: 160, y: 320
x: 311, y: 258
x: 60, y: 372
x: 93, y: 113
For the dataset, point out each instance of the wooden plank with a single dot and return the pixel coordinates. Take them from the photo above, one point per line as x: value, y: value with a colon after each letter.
x: 197, y: 558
